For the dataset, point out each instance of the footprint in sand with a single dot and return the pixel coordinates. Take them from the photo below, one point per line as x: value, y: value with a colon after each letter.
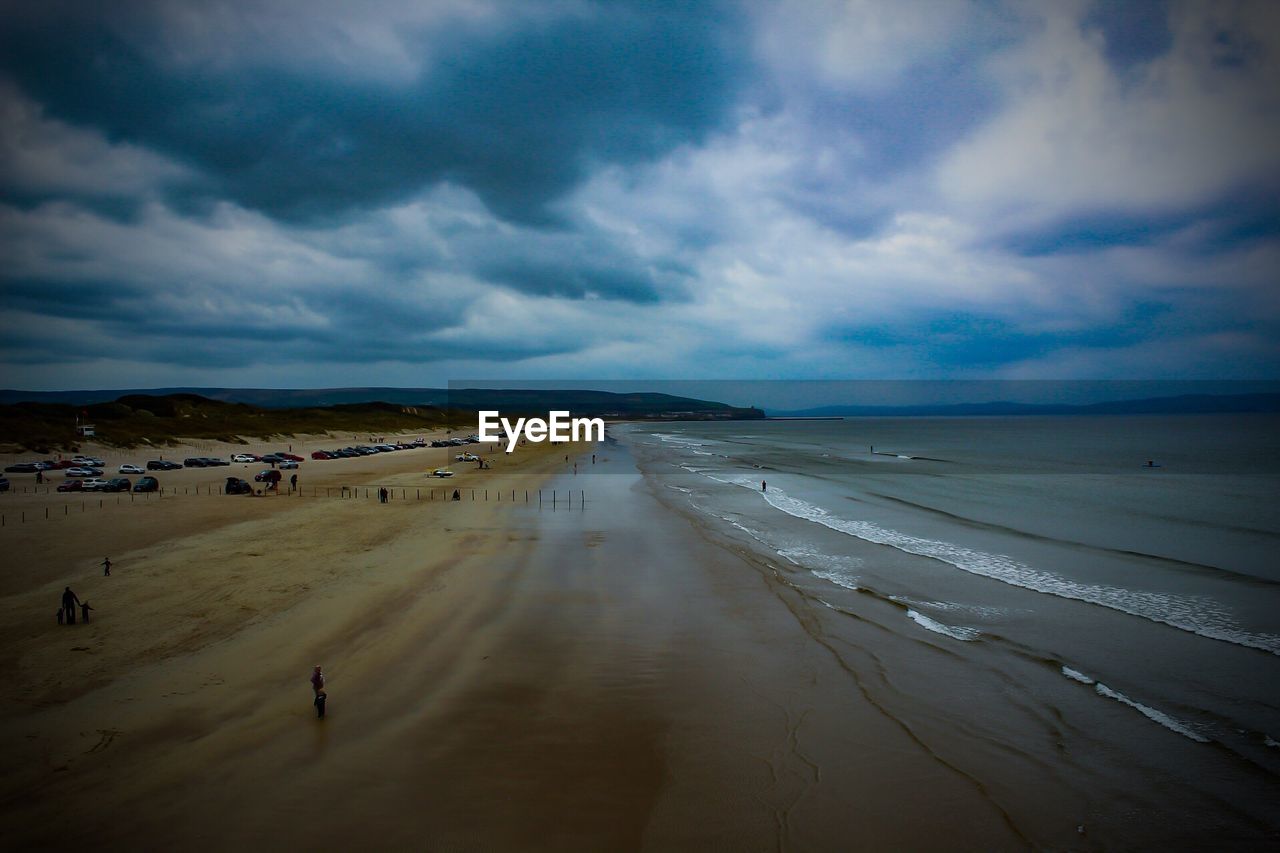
x: 107, y: 736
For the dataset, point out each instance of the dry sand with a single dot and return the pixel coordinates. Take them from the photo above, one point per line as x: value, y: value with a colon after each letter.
x: 501, y: 677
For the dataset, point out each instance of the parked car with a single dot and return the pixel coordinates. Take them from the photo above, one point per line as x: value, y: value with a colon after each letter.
x: 162, y: 465
x: 90, y: 461
x: 288, y: 463
x: 442, y: 472
x: 83, y: 472
x: 467, y: 457
x: 268, y: 476
x: 193, y: 462
x: 271, y: 458
x: 214, y: 462
x: 92, y: 484
x: 321, y: 454
x: 64, y: 463
x: 118, y: 484
x: 22, y: 468
x: 4, y: 484
x: 146, y: 484
x: 244, y: 457
x: 71, y: 486
x: 236, y: 486
x: 293, y: 457
x: 132, y: 469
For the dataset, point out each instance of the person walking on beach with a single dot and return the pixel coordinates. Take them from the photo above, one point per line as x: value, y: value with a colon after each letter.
x: 293, y: 483
x: 317, y: 687
x: 84, y: 611
x: 317, y: 679
x: 106, y: 567
x: 69, y: 602
x: 764, y: 487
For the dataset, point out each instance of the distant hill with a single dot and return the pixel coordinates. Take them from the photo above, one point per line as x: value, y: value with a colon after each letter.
x: 581, y: 403
x: 132, y: 419
x: 1186, y: 404
x: 142, y: 419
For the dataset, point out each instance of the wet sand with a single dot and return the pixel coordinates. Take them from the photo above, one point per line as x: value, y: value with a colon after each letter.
x: 500, y: 677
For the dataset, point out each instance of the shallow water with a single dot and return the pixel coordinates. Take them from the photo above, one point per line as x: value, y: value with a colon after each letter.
x: 1032, y: 587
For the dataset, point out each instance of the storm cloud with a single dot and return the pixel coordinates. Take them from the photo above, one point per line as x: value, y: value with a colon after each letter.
x: 396, y: 193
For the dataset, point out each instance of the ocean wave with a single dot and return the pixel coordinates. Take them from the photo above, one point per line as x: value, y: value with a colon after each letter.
x: 1198, y: 615
x: 1147, y: 711
x: 952, y: 631
x: 837, y: 578
x: 677, y: 440
x: 1075, y: 675
x: 805, y: 555
x: 1172, y: 562
x: 981, y: 611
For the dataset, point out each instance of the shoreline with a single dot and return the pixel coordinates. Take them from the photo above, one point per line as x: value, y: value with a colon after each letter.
x: 622, y: 675
x: 499, y: 676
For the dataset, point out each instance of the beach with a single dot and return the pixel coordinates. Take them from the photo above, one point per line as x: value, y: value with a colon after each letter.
x: 500, y: 677
x: 614, y: 673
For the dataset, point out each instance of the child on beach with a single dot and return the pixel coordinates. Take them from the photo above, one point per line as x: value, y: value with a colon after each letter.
x: 321, y: 696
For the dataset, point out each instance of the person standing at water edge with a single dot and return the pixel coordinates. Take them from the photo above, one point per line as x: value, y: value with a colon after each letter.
x: 106, y: 567
x: 764, y: 487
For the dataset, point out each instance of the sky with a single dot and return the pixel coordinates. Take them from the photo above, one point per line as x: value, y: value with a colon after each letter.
x: 314, y: 193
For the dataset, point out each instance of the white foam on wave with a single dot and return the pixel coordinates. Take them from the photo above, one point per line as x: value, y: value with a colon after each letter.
x: 679, y: 489
x: 1074, y: 675
x: 811, y: 558
x: 1198, y: 615
x: 837, y: 578
x: 1266, y: 739
x: 1150, y: 713
x: 954, y: 607
x: 678, y: 440
x: 1170, y: 723
x: 952, y: 631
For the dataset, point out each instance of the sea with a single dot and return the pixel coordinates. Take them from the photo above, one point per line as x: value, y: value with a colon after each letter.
x: 1088, y: 604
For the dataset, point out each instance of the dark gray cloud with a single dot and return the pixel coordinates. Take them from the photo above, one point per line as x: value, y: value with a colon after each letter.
x: 516, y: 115
x: 312, y: 189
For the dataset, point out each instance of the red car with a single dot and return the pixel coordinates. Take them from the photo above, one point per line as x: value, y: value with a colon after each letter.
x: 290, y: 456
x: 71, y: 486
x: 320, y: 454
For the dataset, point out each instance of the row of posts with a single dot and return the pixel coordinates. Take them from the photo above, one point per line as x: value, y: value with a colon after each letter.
x: 566, y: 499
